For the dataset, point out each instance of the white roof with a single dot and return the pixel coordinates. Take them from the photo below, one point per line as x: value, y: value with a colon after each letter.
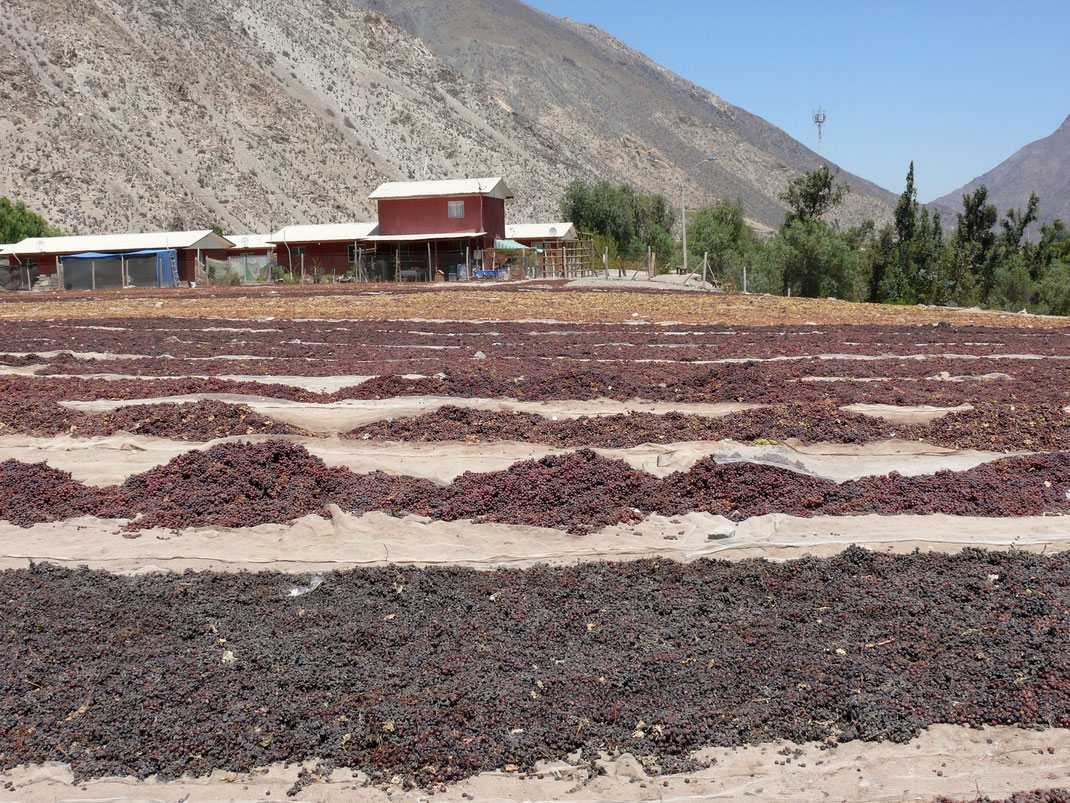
x: 540, y: 231
x: 242, y: 241
x: 493, y: 186
x: 408, y: 238
x: 145, y: 241
x: 6, y: 249
x: 324, y: 233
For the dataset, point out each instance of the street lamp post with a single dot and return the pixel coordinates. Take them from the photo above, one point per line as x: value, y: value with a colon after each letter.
x: 683, y: 208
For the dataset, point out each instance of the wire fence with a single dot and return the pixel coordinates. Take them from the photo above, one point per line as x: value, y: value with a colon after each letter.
x: 243, y: 269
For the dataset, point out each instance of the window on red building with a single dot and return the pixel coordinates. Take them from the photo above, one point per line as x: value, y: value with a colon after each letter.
x: 455, y: 209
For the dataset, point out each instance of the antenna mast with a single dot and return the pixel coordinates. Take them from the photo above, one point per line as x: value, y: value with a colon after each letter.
x: 819, y: 118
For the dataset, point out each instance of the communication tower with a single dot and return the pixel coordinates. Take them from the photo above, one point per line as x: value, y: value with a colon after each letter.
x: 819, y: 119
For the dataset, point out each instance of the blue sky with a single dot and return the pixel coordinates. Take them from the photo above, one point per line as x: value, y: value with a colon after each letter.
x: 955, y: 85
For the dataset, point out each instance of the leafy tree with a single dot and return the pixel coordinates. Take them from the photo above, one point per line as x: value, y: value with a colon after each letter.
x: 915, y: 272
x: 973, y: 242
x: 881, y: 257
x: 1016, y: 222
x: 721, y: 230
x: 1053, y: 290
x: 811, y: 196
x: 17, y: 222
x: 1050, y: 247
x: 632, y: 220
x: 816, y: 260
x: 906, y: 211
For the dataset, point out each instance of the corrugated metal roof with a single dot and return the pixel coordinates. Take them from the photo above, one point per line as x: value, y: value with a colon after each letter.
x: 243, y: 241
x: 114, y: 243
x: 324, y: 233
x: 6, y: 249
x: 493, y: 186
x: 408, y: 238
x: 541, y: 231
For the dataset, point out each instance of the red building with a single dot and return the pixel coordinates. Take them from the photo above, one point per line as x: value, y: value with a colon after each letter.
x: 435, y: 230
x: 331, y: 248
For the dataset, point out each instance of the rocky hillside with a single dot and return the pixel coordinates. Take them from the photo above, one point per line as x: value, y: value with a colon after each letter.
x: 1042, y: 167
x: 617, y: 105
x: 257, y: 113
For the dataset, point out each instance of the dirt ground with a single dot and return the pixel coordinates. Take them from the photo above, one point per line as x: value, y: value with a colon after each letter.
x: 943, y: 760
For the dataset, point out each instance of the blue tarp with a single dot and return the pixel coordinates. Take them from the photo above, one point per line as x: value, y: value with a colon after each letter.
x: 124, y: 254
x: 106, y: 270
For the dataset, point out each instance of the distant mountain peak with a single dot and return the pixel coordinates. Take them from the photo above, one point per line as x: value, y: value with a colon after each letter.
x: 1042, y: 166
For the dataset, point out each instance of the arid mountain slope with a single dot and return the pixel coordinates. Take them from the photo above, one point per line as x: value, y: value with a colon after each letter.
x: 1042, y: 167
x: 618, y: 105
x: 257, y: 113
x: 249, y: 113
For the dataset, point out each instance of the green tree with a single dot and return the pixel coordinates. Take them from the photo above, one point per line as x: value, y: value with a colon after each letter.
x: 881, y: 260
x: 811, y: 196
x: 632, y: 220
x: 1016, y: 222
x: 816, y: 260
x: 17, y: 222
x: 916, y: 270
x: 1050, y: 247
x: 721, y: 230
x: 906, y: 211
x: 973, y: 241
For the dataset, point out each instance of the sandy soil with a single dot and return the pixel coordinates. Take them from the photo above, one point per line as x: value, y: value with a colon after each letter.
x: 482, y: 302
x: 343, y: 541
x: 944, y: 760
x: 314, y: 384
x: 110, y: 460
x: 918, y: 414
x: 342, y: 416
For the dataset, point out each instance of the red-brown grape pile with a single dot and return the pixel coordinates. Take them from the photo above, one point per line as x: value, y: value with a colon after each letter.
x: 575, y: 361
x: 202, y: 420
x: 241, y: 484
x: 35, y: 492
x: 991, y: 427
x: 1035, y: 796
x: 181, y: 339
x: 441, y: 673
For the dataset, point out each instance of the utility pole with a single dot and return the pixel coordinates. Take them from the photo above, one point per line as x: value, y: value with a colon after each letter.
x: 683, y: 208
x: 683, y: 223
x: 819, y: 119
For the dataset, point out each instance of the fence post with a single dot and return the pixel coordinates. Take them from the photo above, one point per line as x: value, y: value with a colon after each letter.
x: 744, y: 279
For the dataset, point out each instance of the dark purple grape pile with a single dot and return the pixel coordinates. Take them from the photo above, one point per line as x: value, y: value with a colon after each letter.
x: 193, y: 421
x: 35, y: 492
x: 441, y: 673
x: 990, y: 427
x: 575, y: 492
x: 242, y: 484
